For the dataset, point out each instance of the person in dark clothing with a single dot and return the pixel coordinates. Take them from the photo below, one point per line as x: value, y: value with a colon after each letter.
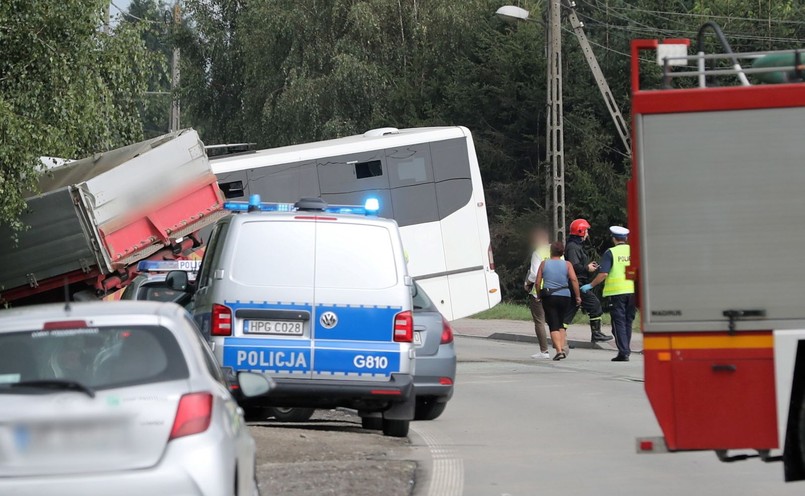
x: 585, y: 270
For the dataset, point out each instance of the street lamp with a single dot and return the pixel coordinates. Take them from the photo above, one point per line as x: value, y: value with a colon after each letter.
x: 554, y: 132
x: 510, y: 13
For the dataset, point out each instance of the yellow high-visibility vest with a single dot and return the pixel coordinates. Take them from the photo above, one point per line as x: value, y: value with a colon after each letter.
x: 616, y: 282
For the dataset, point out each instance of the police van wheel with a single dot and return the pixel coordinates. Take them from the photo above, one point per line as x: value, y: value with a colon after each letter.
x: 429, y: 409
x: 395, y: 428
x: 292, y: 414
x: 372, y: 423
x: 256, y: 413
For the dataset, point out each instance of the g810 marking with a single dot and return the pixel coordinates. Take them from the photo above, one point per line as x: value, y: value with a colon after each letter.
x: 370, y: 362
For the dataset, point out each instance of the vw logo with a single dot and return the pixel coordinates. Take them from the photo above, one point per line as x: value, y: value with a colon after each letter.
x: 328, y: 320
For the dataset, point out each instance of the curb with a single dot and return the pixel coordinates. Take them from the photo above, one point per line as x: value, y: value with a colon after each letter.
x: 521, y: 338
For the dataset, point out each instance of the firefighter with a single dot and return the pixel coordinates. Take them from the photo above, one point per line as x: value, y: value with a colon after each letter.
x: 585, y: 268
x: 618, y: 289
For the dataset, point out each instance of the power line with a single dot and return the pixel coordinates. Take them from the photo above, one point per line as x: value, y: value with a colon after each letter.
x: 128, y: 14
x: 708, y: 16
x: 645, y: 29
x: 599, y: 45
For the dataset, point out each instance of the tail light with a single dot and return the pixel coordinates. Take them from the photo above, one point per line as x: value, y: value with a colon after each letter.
x: 193, y: 415
x: 221, y: 324
x: 404, y: 327
x: 447, y: 332
x: 491, y: 257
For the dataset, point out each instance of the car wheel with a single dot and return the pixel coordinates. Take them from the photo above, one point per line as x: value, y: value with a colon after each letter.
x: 292, y: 414
x: 429, y: 409
x: 395, y: 428
x: 372, y: 423
x: 256, y: 413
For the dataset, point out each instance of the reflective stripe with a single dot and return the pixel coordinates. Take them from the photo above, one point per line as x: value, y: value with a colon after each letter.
x: 616, y: 282
x: 714, y: 341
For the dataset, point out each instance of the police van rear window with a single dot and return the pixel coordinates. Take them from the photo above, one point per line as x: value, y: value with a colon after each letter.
x: 274, y: 253
x: 354, y: 256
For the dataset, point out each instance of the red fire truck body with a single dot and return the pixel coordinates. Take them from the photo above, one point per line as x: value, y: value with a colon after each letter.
x: 718, y: 233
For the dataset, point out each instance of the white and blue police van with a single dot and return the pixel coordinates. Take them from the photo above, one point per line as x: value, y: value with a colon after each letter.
x: 318, y: 297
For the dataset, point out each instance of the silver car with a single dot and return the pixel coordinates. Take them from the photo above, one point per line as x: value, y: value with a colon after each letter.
x: 152, y: 287
x: 118, y: 398
x: 435, y: 358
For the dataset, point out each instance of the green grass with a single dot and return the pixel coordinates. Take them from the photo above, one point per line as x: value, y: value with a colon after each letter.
x: 518, y: 311
x: 505, y: 311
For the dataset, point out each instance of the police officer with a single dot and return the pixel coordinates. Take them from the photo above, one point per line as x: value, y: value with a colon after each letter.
x: 618, y: 289
x: 585, y: 268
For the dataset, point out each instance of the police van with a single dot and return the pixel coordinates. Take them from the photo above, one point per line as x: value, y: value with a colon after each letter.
x: 318, y: 297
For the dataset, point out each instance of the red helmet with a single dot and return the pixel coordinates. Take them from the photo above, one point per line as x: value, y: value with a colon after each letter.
x: 579, y: 227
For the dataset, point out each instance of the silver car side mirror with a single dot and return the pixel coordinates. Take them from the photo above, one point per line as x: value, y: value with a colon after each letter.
x: 177, y: 280
x: 252, y: 384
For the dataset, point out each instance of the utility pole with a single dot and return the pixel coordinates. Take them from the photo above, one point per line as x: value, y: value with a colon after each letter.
x: 107, y: 17
x: 555, y: 122
x: 176, y: 111
x: 600, y: 80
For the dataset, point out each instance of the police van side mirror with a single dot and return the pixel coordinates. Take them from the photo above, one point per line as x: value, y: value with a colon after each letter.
x: 177, y: 280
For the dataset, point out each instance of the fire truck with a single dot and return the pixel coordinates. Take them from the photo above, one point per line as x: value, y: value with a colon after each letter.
x: 717, y: 212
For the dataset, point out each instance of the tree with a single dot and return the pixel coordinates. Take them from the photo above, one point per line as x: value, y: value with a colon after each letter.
x: 154, y: 22
x: 67, y: 89
x: 290, y: 71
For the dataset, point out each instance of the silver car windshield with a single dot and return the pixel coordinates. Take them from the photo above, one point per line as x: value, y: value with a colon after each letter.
x: 93, y: 357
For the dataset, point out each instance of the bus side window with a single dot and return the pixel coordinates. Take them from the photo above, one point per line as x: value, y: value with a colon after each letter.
x: 451, y: 173
x: 233, y: 185
x: 286, y: 182
x: 350, y: 179
x: 413, y: 193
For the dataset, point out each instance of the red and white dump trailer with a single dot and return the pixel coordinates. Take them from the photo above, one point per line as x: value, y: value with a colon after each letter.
x: 93, y: 219
x: 717, y: 211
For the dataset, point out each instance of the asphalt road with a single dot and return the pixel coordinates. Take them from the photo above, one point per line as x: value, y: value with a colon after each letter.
x: 331, y: 455
x: 517, y: 426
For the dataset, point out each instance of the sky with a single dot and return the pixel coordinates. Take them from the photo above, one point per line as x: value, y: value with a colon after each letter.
x: 117, y: 5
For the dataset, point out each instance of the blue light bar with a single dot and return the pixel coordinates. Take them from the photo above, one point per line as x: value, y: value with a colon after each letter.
x: 240, y: 206
x: 371, y: 207
x: 346, y: 209
x: 168, y: 265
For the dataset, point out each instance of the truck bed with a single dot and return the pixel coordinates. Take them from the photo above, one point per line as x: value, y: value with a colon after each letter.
x: 104, y: 213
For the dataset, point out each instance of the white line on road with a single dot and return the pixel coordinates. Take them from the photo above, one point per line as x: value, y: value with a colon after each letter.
x: 447, y: 478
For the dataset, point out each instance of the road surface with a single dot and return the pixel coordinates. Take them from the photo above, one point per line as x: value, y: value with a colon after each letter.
x: 520, y: 427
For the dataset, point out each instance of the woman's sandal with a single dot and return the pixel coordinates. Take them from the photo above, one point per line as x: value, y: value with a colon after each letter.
x: 559, y: 356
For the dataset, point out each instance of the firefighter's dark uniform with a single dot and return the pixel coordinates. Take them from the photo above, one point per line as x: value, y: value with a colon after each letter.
x: 575, y: 254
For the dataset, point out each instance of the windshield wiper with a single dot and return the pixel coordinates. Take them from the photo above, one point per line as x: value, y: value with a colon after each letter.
x: 56, y: 384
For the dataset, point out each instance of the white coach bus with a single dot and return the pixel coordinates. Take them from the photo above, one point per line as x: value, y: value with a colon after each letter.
x: 427, y: 179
